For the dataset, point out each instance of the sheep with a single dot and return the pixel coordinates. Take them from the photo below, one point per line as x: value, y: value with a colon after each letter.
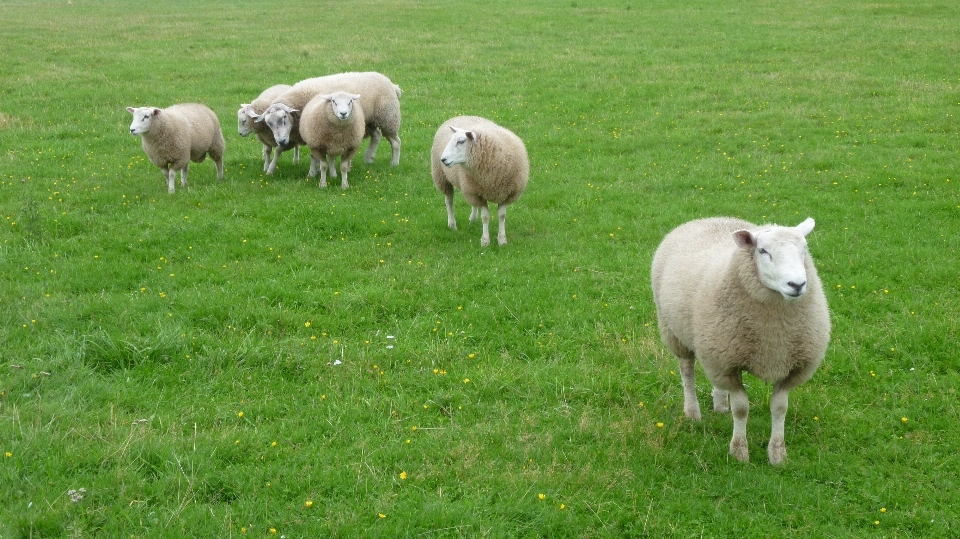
x: 380, y: 99
x: 331, y: 125
x: 246, y: 125
x: 486, y: 162
x: 741, y: 297
x: 176, y: 135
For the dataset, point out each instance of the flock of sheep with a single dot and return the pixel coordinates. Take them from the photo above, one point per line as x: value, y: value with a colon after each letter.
x: 737, y: 296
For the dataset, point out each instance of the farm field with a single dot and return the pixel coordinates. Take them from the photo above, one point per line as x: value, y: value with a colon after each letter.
x: 260, y: 357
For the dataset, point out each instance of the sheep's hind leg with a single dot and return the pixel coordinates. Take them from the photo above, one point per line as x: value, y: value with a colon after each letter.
x: 322, y: 165
x: 183, y: 175
x: 691, y: 407
x: 777, y: 449
x: 375, y: 136
x: 485, y: 219
x: 721, y: 401
x: 395, y: 145
x: 502, y: 218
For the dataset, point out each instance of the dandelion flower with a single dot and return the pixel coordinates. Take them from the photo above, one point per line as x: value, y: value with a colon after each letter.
x: 273, y: 531
x: 562, y: 507
x: 403, y: 475
x: 381, y: 515
x: 659, y: 425
x: 904, y: 419
x: 8, y: 454
x: 542, y: 496
x: 240, y: 414
x: 308, y: 504
x: 883, y: 509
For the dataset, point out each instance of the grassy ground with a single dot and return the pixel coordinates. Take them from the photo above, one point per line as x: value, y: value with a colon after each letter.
x: 261, y: 357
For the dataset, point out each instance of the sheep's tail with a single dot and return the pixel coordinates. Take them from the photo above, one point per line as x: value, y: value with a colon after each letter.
x: 398, y: 90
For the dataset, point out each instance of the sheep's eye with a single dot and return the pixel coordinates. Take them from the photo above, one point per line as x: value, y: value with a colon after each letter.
x: 763, y: 251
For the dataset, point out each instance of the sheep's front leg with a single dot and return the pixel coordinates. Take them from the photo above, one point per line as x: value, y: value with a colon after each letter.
x: 346, y: 160
x: 171, y: 176
x: 271, y: 167
x: 296, y: 154
x: 312, y: 173
x: 691, y: 407
x: 451, y: 218
x: 740, y: 406
x: 183, y: 175
x: 267, y: 153
x: 777, y: 449
x: 332, y: 168
x: 502, y: 230
x: 485, y: 219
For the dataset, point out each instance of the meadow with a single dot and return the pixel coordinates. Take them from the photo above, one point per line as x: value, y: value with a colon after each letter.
x: 259, y: 357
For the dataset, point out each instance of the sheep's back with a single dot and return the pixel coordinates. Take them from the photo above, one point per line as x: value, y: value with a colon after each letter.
x: 686, y: 269
x: 502, y: 164
x: 204, y: 129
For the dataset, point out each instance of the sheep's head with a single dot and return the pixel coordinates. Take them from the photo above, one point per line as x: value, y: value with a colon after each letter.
x: 142, y: 116
x: 342, y: 103
x: 779, y: 253
x: 279, y: 118
x: 456, y: 151
x: 246, y: 116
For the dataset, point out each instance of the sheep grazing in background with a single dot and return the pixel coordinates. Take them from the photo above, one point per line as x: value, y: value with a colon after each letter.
x: 246, y: 124
x: 176, y: 135
x: 741, y: 297
x: 332, y: 125
x: 380, y: 99
x: 486, y: 162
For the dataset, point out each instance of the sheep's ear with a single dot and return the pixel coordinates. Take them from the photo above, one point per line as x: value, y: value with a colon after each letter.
x: 744, y: 239
x: 806, y: 226
x: 156, y: 112
x: 130, y: 110
x: 354, y: 96
x: 454, y: 129
x: 472, y: 136
x: 326, y: 97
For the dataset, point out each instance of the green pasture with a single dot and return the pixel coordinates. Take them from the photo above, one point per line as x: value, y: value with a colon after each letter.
x: 259, y: 357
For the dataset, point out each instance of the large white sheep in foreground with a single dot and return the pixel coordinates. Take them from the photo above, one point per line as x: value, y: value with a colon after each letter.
x: 486, y: 162
x: 741, y: 297
x: 380, y: 99
x: 332, y: 125
x: 246, y: 124
x: 176, y: 135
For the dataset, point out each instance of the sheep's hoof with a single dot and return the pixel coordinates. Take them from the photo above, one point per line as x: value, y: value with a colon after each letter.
x: 738, y: 448
x: 484, y: 242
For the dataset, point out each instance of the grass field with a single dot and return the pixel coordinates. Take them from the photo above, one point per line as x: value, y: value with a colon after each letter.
x: 260, y: 357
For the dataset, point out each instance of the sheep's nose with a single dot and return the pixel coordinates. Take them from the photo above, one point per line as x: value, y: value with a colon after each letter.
x: 797, y: 287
